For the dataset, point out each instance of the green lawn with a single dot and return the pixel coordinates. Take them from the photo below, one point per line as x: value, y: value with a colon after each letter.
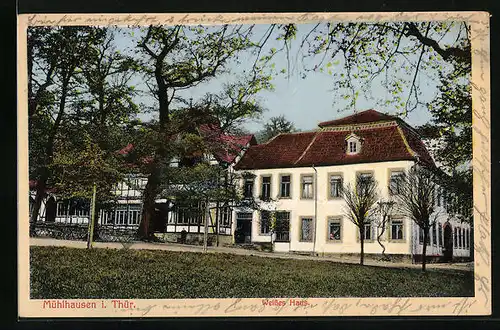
x: 107, y: 273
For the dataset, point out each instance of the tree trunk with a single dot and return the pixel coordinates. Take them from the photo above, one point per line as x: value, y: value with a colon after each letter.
x: 424, y: 248
x: 148, y: 208
x: 151, y: 189
x: 40, y: 194
x: 384, y: 257
x: 41, y: 184
x: 217, y: 216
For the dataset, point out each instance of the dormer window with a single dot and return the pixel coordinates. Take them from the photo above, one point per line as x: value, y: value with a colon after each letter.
x: 353, y: 144
x: 353, y: 147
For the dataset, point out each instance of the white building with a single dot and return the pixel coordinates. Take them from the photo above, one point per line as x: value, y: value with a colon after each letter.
x: 299, y: 176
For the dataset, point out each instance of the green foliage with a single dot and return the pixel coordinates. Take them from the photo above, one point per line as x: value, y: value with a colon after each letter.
x: 65, y: 273
x: 275, y: 126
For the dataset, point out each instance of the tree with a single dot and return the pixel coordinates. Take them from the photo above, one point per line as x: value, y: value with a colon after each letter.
x: 383, y: 211
x: 275, y: 126
x: 416, y: 199
x: 71, y: 46
x: 360, y: 207
x: 178, y: 58
x: 394, y: 54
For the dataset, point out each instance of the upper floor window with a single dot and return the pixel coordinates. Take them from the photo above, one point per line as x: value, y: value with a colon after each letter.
x: 285, y: 181
x: 335, y: 186
x: 248, y: 188
x: 353, y: 144
x: 266, y: 188
x: 395, y: 182
x: 307, y: 186
x: 364, y: 182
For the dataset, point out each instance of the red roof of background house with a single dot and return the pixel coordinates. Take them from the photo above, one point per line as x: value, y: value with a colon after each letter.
x: 366, y: 116
x: 327, y: 147
x: 224, y: 147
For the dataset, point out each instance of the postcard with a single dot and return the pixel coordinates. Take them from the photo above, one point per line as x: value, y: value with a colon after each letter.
x: 254, y: 164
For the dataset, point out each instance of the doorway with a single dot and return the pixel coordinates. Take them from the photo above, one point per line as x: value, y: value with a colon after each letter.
x: 448, y: 243
x: 243, y: 233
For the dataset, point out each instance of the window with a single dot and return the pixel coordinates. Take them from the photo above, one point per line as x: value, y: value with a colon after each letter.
x: 434, y: 236
x: 73, y: 207
x: 363, y: 180
x: 265, y: 222
x: 353, y: 147
x: 285, y: 186
x: 467, y: 238
x: 368, y: 231
x: 282, y: 226
x: 124, y: 215
x: 455, y: 238
x: 307, y: 186
x: 225, y: 216
x: 420, y: 235
x: 306, y: 229
x: 266, y: 188
x: 353, y: 144
x: 335, y: 186
x: 463, y: 238
x: 438, y: 197
x: 334, y: 230
x: 395, y: 182
x: 248, y: 188
x: 397, y: 229
x: 440, y: 235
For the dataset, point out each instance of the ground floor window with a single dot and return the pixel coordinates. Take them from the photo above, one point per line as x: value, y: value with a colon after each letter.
x: 467, y: 238
x: 192, y: 214
x: 334, y: 229
x: 306, y: 229
x: 265, y: 222
x: 282, y: 226
x: 368, y: 231
x: 463, y: 238
x: 127, y: 214
x: 434, y: 235
x: 73, y: 207
x: 225, y: 216
x: 420, y: 235
x: 397, y: 228
x: 455, y: 238
x: 440, y: 235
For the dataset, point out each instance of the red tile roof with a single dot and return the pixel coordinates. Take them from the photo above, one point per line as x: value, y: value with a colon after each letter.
x: 366, y: 116
x: 224, y: 147
x: 388, y: 142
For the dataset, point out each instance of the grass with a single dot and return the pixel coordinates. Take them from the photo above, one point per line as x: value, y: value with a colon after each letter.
x: 65, y: 273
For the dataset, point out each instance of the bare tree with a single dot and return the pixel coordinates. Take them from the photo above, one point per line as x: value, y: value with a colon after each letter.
x: 361, y: 202
x: 416, y: 199
x: 384, y: 211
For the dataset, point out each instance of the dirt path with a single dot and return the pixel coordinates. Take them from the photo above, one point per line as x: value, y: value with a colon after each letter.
x: 238, y: 251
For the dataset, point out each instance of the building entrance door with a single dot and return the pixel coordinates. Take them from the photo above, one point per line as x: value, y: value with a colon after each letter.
x: 243, y: 233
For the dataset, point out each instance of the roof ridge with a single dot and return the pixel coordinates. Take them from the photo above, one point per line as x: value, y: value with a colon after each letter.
x: 308, y: 146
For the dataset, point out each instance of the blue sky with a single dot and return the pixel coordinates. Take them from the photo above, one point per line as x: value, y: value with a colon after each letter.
x: 304, y: 101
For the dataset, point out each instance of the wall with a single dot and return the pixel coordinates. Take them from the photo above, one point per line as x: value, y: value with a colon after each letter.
x: 327, y: 207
